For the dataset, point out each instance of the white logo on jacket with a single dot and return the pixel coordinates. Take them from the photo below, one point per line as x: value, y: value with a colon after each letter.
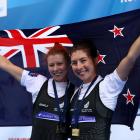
x: 86, y: 105
x: 61, y: 105
x: 43, y: 105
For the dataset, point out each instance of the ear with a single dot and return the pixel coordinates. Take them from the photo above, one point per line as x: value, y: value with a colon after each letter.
x: 96, y: 60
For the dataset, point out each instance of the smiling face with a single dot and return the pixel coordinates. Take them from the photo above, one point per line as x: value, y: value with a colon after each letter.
x: 58, y: 67
x: 83, y: 66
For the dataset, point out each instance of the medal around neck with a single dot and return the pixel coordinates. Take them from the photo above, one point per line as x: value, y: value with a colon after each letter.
x: 75, y: 132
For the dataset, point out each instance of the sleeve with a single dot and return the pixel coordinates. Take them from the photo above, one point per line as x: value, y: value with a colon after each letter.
x: 110, y: 88
x: 32, y: 82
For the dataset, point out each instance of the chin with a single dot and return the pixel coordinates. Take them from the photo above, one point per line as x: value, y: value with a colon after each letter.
x: 83, y: 78
x: 86, y: 80
x: 59, y: 79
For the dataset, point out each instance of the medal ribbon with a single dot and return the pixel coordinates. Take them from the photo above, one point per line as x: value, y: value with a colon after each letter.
x: 78, y: 106
x: 61, y: 113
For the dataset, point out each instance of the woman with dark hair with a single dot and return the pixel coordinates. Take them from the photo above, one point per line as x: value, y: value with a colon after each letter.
x: 93, y: 103
x: 50, y: 96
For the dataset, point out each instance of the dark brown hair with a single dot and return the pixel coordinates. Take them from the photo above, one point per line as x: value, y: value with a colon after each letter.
x: 87, y: 45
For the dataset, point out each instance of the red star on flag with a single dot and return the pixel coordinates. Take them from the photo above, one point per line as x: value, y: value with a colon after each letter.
x: 101, y: 58
x: 117, y: 31
x: 129, y: 97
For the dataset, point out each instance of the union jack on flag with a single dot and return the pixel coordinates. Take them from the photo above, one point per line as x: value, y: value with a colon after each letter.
x: 41, y: 40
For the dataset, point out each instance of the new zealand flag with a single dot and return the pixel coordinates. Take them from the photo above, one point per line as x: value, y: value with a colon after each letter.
x: 112, y: 35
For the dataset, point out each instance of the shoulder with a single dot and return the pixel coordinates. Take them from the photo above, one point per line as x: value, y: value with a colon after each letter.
x: 28, y: 76
x: 109, y: 89
x: 112, y: 79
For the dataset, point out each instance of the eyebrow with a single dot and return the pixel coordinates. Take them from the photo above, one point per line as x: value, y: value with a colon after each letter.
x: 80, y: 58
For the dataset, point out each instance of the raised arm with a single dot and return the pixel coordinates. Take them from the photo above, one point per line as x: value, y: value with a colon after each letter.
x: 128, y: 62
x: 9, y: 67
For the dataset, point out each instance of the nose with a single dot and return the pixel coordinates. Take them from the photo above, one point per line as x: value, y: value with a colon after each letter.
x: 55, y: 68
x: 79, y: 65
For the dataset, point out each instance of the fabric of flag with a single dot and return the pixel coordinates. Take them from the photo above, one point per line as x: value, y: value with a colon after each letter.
x: 113, y: 37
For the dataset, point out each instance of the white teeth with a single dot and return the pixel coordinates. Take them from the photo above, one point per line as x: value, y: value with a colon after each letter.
x: 57, y: 74
x: 82, y: 72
